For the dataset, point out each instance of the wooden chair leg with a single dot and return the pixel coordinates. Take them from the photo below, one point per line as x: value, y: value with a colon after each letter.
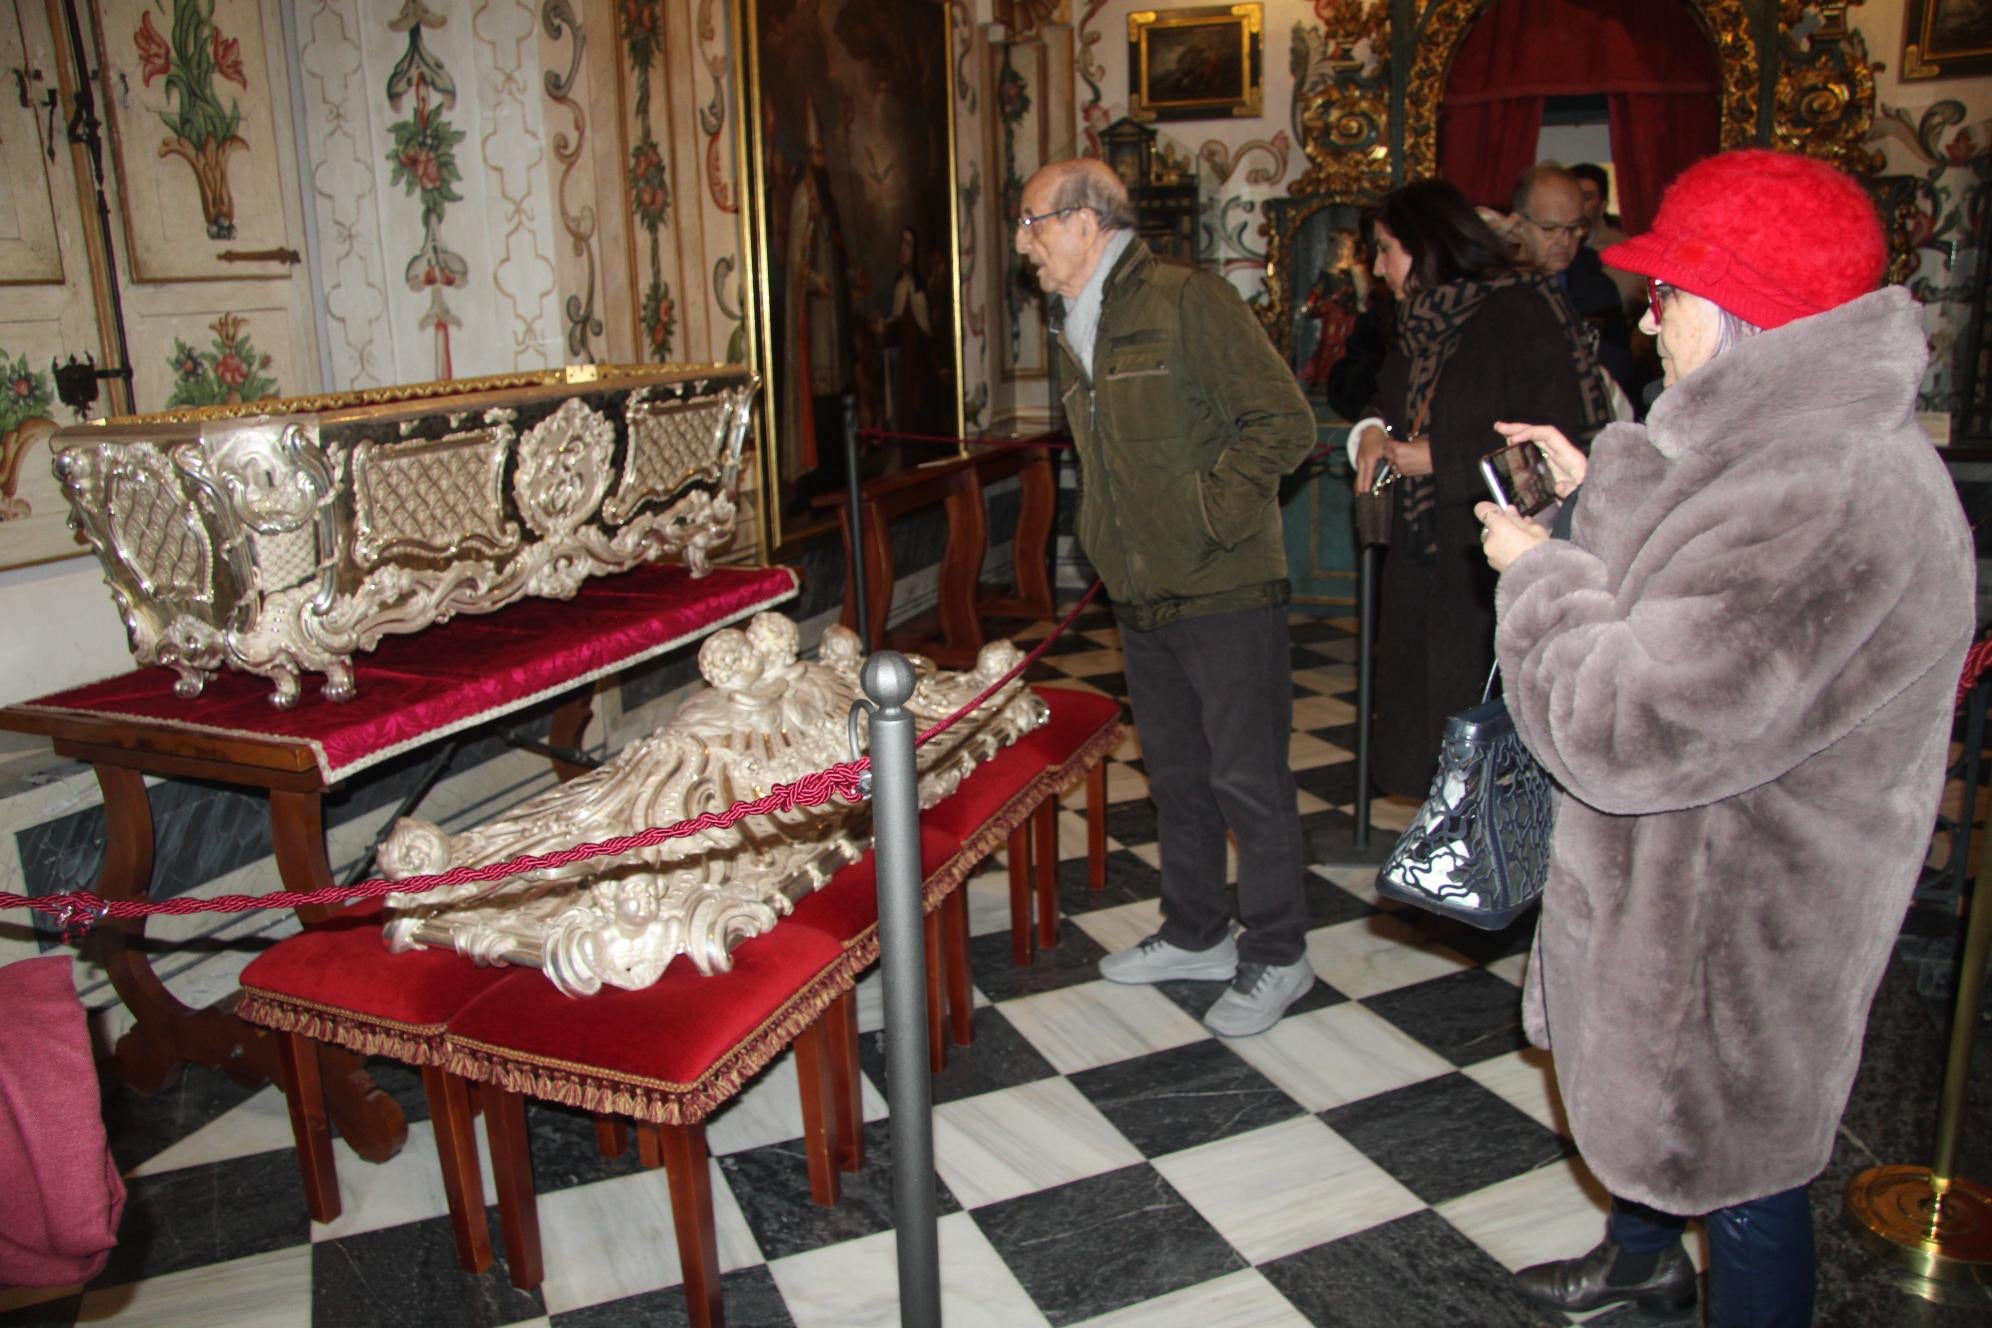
x: 1045, y: 822
x: 1020, y: 895
x: 937, y: 1042
x: 954, y: 954
x: 847, y: 1090
x: 813, y: 1055
x: 512, y: 1171
x: 691, y: 1213
x: 649, y: 1146
x: 304, y: 1093
x: 1096, y: 826
x: 463, y: 1179
x: 611, y: 1135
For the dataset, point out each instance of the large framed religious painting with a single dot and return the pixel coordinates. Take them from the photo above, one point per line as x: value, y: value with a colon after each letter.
x: 194, y: 137
x: 1947, y: 39
x: 852, y: 230
x: 1196, y: 64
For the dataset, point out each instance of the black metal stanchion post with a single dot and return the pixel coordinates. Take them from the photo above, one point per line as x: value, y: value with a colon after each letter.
x: 889, y: 681
x: 860, y: 593
x: 1365, y: 669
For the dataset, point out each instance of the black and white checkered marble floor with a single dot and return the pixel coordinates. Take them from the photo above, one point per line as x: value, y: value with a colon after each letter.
x: 1384, y: 1156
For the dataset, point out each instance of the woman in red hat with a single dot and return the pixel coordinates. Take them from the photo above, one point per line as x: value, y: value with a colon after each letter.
x: 1740, y: 665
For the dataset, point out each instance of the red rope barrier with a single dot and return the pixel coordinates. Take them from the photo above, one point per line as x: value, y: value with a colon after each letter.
x: 79, y: 910
x: 874, y: 435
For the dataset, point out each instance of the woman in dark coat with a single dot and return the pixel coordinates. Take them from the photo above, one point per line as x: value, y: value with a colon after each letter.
x: 1740, y: 668
x: 1478, y: 340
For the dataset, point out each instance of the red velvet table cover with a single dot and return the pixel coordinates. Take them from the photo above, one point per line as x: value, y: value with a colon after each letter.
x: 426, y: 685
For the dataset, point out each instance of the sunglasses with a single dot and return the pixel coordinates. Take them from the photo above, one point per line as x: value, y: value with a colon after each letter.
x: 1656, y: 295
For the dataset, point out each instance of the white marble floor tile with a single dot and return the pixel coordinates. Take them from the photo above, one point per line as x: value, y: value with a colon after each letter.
x: 1097, y: 1023
x: 614, y: 1239
x: 1511, y: 967
x: 1327, y: 678
x: 1304, y: 751
x: 1553, y: 1212
x: 871, y: 1000
x: 999, y: 1145
x: 1525, y: 1080
x: 769, y: 1110
x: 857, y: 1282
x: 1324, y: 1058
x: 1124, y: 784
x: 1285, y: 1187
x: 263, y: 1291
x: 1122, y: 926
x: 988, y: 903
x: 408, y: 1187
x: 1358, y: 881
x: 15, y: 1298
x: 260, y: 1125
x: 1377, y: 954
x: 1242, y: 1299
x: 1129, y: 747
x: 1320, y: 712
x: 1394, y: 814
x: 1089, y: 663
x: 1308, y: 803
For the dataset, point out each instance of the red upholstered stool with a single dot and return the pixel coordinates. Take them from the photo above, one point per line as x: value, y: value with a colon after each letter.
x: 337, y: 982
x: 845, y: 908
x: 1004, y: 798
x: 668, y: 1055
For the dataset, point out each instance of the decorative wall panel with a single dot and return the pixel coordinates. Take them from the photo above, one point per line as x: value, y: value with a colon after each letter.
x: 29, y: 250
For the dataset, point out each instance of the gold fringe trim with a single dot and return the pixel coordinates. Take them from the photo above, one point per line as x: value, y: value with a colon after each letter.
x: 661, y: 1102
x: 410, y: 1044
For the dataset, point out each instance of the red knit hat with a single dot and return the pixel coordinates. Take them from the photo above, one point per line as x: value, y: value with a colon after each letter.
x: 1769, y: 236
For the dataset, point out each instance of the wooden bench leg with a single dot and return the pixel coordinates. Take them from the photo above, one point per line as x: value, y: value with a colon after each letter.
x: 512, y: 1170
x: 691, y: 1214
x: 954, y: 953
x: 1020, y: 895
x: 463, y: 1179
x: 1096, y: 826
x: 813, y: 1054
x: 847, y: 1090
x: 611, y: 1135
x: 937, y: 1042
x: 304, y: 1093
x: 1045, y: 821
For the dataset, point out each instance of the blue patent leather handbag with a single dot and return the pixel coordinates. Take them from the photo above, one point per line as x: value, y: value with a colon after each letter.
x: 1478, y: 851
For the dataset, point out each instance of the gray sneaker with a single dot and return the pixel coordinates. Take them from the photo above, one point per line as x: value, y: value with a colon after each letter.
x: 1257, y: 998
x: 1155, y: 960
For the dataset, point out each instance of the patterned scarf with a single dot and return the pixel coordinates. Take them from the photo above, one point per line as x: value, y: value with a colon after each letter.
x: 1429, y: 323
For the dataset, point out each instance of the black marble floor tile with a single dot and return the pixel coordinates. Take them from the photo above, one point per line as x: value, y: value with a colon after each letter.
x: 1329, y: 904
x: 1196, y: 998
x: 1105, y: 1242
x: 408, y: 1275
x: 1415, y: 1272
x: 1113, y: 683
x: 1132, y: 823
x: 1071, y: 643
x: 1467, y: 1017
x: 1129, y: 881
x: 207, y: 1214
x: 771, y: 1185
x: 1304, y: 657
x: 1483, y: 947
x: 1073, y: 960
x: 1045, y: 671
x: 752, y: 1301
x: 1176, y: 1099
x: 1000, y: 1057
x: 1334, y: 784
x: 1329, y: 838
x: 403, y: 1083
x: 1314, y: 633
x: 142, y: 1125
x: 567, y: 1152
x: 1339, y: 735
x: 1446, y: 1137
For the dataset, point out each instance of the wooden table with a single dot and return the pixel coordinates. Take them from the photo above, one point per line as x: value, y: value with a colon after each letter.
x: 413, y: 691
x: 953, y: 635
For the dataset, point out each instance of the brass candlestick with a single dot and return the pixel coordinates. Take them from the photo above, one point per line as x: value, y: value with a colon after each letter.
x: 1930, y: 1220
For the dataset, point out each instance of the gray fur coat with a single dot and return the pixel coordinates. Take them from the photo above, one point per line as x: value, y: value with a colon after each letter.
x: 1741, y: 669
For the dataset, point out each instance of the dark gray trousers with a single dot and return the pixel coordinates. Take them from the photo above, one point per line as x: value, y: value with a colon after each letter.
x: 1213, y: 702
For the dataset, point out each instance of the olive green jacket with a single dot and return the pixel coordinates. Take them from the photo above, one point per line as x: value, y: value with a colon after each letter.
x: 1185, y: 422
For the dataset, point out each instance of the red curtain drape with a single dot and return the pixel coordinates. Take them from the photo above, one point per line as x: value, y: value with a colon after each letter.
x: 1650, y: 56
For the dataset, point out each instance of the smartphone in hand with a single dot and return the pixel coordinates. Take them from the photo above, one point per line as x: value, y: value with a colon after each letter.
x: 1519, y: 478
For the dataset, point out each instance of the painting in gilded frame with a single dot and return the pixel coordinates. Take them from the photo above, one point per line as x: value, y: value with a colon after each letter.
x: 1947, y: 39
x: 1196, y: 64
x: 194, y: 138
x: 853, y: 233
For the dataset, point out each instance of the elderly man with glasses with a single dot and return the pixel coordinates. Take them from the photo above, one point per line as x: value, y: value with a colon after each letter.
x: 1185, y: 420
x: 1548, y: 224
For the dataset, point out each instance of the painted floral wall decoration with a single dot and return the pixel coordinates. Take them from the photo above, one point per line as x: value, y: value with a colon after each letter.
x: 231, y: 370
x: 203, y: 131
x: 423, y: 162
x: 649, y: 185
x: 24, y: 397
